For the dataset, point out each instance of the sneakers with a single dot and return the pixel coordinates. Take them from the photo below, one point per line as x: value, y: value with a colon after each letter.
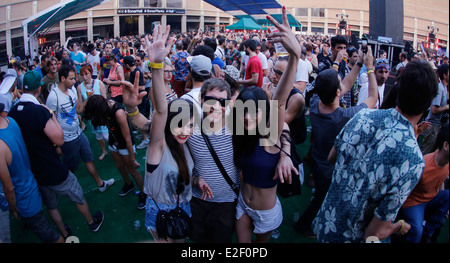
x: 141, y: 202
x: 106, y: 185
x: 126, y: 189
x: 98, y: 220
x: 143, y: 144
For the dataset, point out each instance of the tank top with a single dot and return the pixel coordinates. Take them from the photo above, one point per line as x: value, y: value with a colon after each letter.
x: 28, y: 197
x: 115, y: 90
x: 161, y: 184
x: 258, y: 169
x: 95, y: 89
x: 116, y: 138
x: 297, y: 126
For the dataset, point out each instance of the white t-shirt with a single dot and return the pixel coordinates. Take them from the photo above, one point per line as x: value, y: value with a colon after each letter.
x: 64, y: 108
x: 302, y: 71
x: 262, y: 58
x: 364, y: 94
x: 94, y: 61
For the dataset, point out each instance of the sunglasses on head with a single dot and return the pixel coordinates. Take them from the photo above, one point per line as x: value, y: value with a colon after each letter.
x: 212, y: 100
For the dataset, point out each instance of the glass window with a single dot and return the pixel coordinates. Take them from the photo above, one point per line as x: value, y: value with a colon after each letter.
x: 152, y: 3
x: 301, y: 12
x: 318, y: 12
x: 174, y: 3
x: 128, y: 3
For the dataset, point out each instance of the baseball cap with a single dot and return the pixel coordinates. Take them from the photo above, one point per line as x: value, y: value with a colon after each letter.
x: 32, y: 80
x: 200, y: 65
x: 8, y: 80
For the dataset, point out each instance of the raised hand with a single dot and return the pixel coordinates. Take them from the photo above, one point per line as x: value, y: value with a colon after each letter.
x: 160, y: 47
x: 130, y: 93
x: 285, y: 35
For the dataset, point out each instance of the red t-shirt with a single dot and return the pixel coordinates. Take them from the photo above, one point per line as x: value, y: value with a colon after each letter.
x: 254, y: 66
x: 428, y: 186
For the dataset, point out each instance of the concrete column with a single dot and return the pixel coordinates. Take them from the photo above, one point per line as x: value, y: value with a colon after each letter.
x: 116, y: 26
x: 325, y: 28
x: 62, y: 32
x: 308, y: 32
x: 90, y: 26
x: 415, y: 33
x: 202, y: 16
x: 361, y: 23
x: 184, y: 23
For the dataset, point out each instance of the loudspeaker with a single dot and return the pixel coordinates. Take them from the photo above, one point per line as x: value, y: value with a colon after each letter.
x: 386, y: 19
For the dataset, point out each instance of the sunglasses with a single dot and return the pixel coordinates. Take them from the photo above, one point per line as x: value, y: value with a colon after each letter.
x: 212, y: 100
x: 278, y: 72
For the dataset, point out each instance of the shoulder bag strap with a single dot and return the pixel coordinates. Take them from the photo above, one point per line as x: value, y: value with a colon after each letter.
x: 233, y: 186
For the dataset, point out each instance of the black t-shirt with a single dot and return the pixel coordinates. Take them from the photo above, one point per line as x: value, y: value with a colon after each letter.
x: 116, y: 138
x: 141, y: 77
x: 46, y: 166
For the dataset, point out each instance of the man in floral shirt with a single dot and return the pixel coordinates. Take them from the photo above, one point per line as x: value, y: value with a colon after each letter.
x: 181, y: 72
x: 378, y: 164
x: 233, y: 55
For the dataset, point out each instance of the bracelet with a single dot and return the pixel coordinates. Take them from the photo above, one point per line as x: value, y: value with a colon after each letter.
x: 370, y: 71
x: 156, y: 65
x: 335, y: 65
x: 132, y: 114
x: 447, y: 106
x: 403, y: 225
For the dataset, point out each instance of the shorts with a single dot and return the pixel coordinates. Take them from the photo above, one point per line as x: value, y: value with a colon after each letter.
x: 73, y: 150
x: 151, y: 210
x: 263, y: 220
x: 70, y: 188
x: 39, y: 225
x: 121, y: 151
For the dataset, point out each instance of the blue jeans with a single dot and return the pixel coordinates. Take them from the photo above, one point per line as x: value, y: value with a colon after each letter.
x: 433, y: 212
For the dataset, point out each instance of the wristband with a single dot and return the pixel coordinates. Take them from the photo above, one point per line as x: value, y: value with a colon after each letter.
x: 133, y: 114
x: 447, y: 106
x: 370, y: 71
x: 336, y: 66
x: 156, y: 65
x: 403, y: 225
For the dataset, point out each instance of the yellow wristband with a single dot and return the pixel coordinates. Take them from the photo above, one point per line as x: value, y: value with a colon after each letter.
x: 447, y: 106
x: 156, y: 65
x: 370, y: 71
x: 133, y: 114
x: 403, y: 225
x: 335, y: 66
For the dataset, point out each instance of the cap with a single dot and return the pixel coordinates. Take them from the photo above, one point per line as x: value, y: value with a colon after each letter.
x: 200, y: 65
x: 382, y: 63
x: 90, y: 47
x: 232, y: 71
x: 8, y: 80
x: 32, y: 80
x: 129, y: 60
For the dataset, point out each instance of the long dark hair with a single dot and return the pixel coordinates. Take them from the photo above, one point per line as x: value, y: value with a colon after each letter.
x: 97, y: 110
x: 245, y: 144
x: 175, y: 148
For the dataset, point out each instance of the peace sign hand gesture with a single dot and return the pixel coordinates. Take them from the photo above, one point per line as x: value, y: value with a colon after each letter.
x: 285, y: 35
x: 130, y: 93
x: 160, y: 47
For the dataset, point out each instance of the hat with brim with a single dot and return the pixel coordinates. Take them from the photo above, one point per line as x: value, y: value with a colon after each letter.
x: 90, y: 47
x: 8, y: 80
x: 32, y: 81
x: 200, y: 64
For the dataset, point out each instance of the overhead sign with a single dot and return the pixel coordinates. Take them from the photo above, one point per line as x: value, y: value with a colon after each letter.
x: 139, y: 11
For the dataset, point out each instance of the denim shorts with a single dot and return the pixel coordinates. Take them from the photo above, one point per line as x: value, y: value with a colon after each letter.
x: 263, y: 220
x: 70, y: 188
x: 73, y: 150
x: 151, y: 210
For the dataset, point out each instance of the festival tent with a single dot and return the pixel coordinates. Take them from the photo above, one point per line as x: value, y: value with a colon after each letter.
x: 245, y: 23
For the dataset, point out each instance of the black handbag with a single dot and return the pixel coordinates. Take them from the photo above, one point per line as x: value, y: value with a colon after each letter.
x: 295, y: 188
x: 174, y: 224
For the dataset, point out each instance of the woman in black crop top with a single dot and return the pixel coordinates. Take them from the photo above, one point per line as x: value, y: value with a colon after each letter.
x: 121, y: 144
x: 257, y: 148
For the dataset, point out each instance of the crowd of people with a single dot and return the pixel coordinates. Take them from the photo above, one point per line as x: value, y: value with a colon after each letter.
x: 217, y: 113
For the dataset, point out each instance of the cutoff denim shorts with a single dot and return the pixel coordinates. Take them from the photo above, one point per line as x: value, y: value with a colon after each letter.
x: 151, y: 210
x: 263, y: 220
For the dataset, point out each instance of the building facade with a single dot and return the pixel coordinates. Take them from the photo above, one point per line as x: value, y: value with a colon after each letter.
x: 132, y: 17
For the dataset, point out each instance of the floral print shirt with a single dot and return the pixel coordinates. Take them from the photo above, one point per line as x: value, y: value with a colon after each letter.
x: 378, y: 164
x: 179, y: 61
